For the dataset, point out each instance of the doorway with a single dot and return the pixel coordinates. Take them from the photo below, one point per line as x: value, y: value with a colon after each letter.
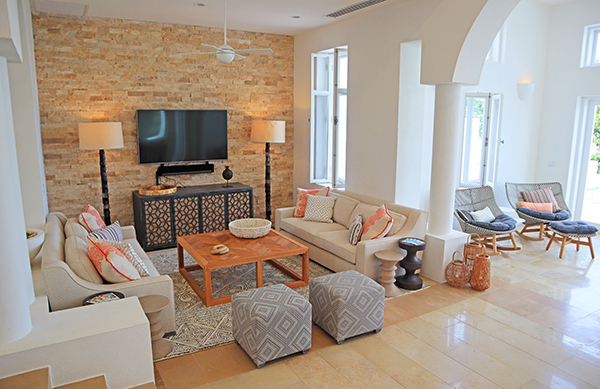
x: 588, y: 204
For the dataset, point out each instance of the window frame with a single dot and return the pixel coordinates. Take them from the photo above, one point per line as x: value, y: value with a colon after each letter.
x: 590, y: 50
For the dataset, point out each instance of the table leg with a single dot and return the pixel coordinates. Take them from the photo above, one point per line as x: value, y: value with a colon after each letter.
x: 387, y: 278
x: 259, y: 274
x: 305, y: 267
x: 207, y: 287
x: 180, y: 255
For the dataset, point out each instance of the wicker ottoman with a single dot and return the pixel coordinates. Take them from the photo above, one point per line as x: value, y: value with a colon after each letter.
x: 271, y: 322
x: 347, y: 304
x: 572, y: 232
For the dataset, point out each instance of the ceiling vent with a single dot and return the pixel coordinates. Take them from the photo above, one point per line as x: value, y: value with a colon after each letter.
x: 353, y: 7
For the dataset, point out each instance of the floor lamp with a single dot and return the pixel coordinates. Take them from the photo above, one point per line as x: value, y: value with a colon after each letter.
x: 101, y: 136
x: 268, y: 131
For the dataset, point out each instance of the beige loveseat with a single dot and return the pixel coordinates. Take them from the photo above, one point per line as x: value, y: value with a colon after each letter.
x: 329, y: 243
x: 65, y: 289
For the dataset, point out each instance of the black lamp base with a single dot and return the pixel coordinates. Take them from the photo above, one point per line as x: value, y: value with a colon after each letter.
x: 104, y: 180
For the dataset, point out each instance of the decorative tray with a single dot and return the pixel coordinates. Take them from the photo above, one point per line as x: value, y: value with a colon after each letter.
x: 157, y: 190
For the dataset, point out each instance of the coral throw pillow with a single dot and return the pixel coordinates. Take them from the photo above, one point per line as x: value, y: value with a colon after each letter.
x: 131, y: 256
x: 112, y: 264
x: 301, y: 201
x: 378, y: 225
x: 91, y: 220
x: 540, y: 207
x: 541, y: 196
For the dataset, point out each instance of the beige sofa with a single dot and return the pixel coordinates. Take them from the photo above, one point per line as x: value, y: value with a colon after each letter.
x: 329, y: 243
x: 65, y: 289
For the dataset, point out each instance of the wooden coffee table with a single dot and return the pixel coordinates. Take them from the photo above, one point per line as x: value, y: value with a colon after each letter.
x: 241, y: 251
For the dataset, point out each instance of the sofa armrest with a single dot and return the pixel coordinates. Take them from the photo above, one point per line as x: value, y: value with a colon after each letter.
x: 128, y: 232
x: 282, y: 213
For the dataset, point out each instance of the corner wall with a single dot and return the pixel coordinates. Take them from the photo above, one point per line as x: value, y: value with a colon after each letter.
x: 105, y: 69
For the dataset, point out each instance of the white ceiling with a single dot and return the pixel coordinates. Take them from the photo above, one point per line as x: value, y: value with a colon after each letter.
x: 270, y: 16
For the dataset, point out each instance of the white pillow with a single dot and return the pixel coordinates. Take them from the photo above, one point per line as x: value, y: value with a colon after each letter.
x: 484, y: 215
x: 112, y: 265
x: 131, y: 256
x: 319, y: 209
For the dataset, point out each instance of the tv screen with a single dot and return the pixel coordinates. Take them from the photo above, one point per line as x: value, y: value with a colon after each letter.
x: 181, y: 136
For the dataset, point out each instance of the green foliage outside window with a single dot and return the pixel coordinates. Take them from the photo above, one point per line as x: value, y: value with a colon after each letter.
x: 596, y: 139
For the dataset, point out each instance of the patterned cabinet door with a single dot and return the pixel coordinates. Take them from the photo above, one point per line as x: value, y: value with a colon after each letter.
x: 213, y: 212
x: 157, y: 215
x: 240, y: 205
x: 187, y: 215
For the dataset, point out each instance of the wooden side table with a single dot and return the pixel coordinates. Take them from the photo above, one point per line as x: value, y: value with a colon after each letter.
x: 389, y: 259
x: 411, y: 263
x: 153, y: 306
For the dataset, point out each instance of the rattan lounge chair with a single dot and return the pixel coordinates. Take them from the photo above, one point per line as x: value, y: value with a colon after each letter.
x: 535, y: 223
x: 475, y: 199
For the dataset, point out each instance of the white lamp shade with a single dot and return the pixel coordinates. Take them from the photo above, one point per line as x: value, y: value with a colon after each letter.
x: 525, y: 89
x: 100, y: 136
x: 272, y: 131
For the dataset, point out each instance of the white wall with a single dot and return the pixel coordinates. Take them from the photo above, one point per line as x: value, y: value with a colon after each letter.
x: 26, y: 114
x: 524, y: 60
x: 565, y: 82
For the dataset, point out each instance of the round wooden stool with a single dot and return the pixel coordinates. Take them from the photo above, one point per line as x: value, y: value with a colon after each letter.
x: 387, y: 276
x: 153, y: 306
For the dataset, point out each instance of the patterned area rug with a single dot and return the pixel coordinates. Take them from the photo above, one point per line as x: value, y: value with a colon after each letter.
x: 200, y: 327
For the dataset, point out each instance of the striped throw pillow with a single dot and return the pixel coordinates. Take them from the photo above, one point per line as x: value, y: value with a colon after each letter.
x: 541, y: 196
x: 112, y: 232
x: 355, y: 228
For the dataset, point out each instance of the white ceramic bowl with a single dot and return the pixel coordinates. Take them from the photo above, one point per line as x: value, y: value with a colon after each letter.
x: 250, y: 228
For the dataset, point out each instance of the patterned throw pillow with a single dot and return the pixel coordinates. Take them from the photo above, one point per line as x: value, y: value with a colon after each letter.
x: 301, y: 202
x: 356, y: 229
x: 541, y: 196
x: 378, y: 225
x: 91, y: 220
x: 112, y: 232
x: 131, y: 256
x: 540, y: 207
x: 484, y: 215
x: 319, y: 209
x: 112, y: 265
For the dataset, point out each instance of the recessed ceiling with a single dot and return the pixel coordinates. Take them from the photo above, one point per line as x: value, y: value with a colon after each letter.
x: 270, y: 16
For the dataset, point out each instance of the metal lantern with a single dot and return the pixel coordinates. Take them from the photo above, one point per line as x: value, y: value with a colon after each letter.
x: 457, y: 271
x: 481, y: 274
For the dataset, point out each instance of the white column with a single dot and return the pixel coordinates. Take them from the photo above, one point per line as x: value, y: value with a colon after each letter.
x: 445, y: 163
x: 16, y: 287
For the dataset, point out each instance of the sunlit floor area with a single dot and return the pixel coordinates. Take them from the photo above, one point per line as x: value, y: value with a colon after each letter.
x: 538, y: 326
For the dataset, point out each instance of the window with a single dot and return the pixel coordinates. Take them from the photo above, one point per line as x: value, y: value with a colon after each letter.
x: 481, y: 139
x: 590, y: 55
x: 328, y: 117
x: 496, y: 53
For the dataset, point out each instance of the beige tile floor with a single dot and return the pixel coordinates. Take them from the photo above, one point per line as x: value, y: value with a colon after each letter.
x: 538, y: 326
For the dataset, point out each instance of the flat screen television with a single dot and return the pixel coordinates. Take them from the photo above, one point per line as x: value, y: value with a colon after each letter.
x: 166, y: 136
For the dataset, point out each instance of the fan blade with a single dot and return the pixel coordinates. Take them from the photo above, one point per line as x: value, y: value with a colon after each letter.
x: 254, y: 51
x: 237, y: 56
x: 206, y: 52
x: 211, y: 46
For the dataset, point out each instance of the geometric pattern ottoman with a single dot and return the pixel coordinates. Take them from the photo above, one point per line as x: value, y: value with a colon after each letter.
x: 347, y: 304
x: 271, y: 322
x: 571, y: 232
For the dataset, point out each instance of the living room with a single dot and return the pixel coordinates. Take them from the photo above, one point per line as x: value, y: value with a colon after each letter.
x: 100, y: 69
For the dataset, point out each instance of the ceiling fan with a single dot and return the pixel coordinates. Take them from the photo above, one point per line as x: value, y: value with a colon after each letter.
x: 226, y: 53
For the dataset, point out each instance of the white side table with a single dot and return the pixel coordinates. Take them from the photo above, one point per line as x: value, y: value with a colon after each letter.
x: 34, y: 244
x: 389, y: 259
x: 153, y: 306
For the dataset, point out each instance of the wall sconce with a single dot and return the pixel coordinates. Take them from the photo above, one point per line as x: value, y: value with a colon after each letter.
x: 524, y: 90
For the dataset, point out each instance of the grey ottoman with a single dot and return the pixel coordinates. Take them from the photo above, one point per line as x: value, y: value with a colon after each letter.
x: 271, y: 322
x: 347, y: 304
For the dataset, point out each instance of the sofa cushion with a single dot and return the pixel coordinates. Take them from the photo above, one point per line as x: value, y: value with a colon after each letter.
x: 73, y: 228
x: 366, y: 210
x: 399, y: 222
x: 344, y: 206
x: 305, y: 230
x: 76, y: 257
x: 337, y: 243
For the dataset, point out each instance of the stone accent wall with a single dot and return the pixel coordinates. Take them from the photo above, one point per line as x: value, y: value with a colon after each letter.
x: 91, y: 69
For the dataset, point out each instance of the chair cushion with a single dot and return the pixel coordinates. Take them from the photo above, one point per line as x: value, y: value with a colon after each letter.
x: 560, y: 215
x: 573, y: 227
x: 502, y: 222
x: 464, y: 215
x: 483, y: 215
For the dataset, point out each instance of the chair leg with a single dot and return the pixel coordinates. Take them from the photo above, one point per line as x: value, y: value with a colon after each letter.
x: 514, y: 242
x: 529, y: 228
x: 562, y: 247
x: 495, y: 244
x: 577, y: 243
x: 591, y: 247
x: 551, y: 240
x: 542, y: 227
